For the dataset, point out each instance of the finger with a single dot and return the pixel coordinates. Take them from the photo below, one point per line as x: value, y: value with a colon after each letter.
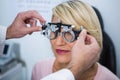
x: 33, y: 23
x: 87, y: 40
x: 91, y: 39
x: 33, y: 26
x: 31, y: 14
x: 82, y: 36
x: 93, y: 42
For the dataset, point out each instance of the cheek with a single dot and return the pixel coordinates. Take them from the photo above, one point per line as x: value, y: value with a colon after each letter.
x: 72, y: 44
x: 68, y: 45
x: 52, y: 42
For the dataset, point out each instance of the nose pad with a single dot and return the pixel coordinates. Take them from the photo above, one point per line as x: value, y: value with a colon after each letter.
x: 60, y: 34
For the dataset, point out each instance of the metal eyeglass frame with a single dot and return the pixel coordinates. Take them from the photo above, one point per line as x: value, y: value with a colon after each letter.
x: 56, y: 29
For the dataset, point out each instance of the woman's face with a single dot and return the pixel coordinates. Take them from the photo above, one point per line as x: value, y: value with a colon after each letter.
x: 61, y: 48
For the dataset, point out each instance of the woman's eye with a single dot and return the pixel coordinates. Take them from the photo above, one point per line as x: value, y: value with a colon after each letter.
x: 68, y: 36
x: 52, y: 35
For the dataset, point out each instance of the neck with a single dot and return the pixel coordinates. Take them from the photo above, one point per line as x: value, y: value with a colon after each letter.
x: 57, y: 66
x: 89, y: 74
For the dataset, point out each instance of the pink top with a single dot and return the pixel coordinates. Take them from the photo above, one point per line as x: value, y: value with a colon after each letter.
x: 44, y: 67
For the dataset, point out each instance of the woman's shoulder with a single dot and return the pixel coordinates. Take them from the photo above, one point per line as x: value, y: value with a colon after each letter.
x: 45, y: 63
x: 42, y: 68
x: 105, y: 74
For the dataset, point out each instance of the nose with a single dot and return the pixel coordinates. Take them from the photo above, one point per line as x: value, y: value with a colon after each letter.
x: 60, y: 40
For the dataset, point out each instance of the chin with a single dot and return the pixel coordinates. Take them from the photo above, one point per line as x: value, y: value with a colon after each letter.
x: 63, y: 60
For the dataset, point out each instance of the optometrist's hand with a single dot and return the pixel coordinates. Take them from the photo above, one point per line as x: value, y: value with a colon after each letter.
x: 19, y: 26
x: 85, y: 53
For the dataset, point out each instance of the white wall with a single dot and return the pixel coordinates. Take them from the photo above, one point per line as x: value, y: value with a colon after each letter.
x: 36, y: 47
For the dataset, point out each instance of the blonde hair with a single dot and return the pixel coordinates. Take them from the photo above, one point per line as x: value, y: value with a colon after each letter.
x: 79, y: 13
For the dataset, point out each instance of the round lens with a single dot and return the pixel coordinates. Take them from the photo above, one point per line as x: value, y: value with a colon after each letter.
x: 51, y: 34
x: 68, y: 36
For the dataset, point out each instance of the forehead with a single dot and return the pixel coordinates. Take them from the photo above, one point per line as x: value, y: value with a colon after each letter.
x: 55, y: 19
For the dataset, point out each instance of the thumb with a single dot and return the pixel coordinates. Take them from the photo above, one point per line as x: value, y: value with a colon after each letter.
x: 82, y: 36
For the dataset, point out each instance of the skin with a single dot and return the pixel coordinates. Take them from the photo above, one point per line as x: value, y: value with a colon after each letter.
x: 73, y: 60
x: 19, y: 28
x: 58, y: 45
x: 63, y: 52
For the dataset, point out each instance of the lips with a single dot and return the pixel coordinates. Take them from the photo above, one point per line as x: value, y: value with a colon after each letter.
x: 60, y: 51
